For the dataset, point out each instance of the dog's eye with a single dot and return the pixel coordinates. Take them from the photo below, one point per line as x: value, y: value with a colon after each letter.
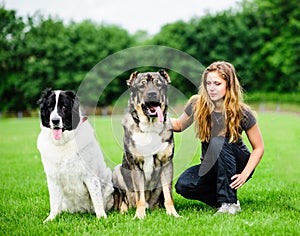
x: 50, y: 106
x: 157, y: 83
x: 142, y: 84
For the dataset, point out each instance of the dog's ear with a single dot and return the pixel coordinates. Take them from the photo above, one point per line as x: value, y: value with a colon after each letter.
x: 74, y: 97
x: 132, y: 77
x: 71, y: 94
x: 164, y: 74
x: 45, y: 94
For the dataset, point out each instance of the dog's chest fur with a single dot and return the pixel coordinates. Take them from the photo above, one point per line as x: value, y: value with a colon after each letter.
x: 63, y: 164
x: 60, y: 161
x: 150, y: 144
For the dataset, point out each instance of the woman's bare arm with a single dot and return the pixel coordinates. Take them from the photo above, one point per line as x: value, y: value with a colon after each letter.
x: 256, y: 141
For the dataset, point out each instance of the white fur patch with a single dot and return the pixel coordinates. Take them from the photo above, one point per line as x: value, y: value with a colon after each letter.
x: 155, y: 127
x: 148, y: 168
x: 148, y: 144
x: 54, y: 114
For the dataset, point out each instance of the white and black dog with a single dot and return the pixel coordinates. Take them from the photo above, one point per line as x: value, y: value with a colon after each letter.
x: 144, y: 179
x: 77, y: 176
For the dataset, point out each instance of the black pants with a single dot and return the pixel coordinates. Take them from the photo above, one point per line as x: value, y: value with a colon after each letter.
x: 209, y: 181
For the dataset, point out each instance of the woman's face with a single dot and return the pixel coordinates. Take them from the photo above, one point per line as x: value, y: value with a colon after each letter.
x: 215, y: 86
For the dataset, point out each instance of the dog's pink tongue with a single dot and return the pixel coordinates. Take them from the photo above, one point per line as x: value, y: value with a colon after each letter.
x: 159, y: 113
x: 57, y: 133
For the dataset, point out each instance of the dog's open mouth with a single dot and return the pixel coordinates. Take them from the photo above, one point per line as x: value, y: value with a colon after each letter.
x: 57, y: 133
x: 154, y: 110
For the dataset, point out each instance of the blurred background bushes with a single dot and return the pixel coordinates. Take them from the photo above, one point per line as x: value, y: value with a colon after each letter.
x: 260, y: 37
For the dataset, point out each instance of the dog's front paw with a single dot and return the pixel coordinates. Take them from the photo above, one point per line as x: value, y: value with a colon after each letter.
x: 140, y: 212
x: 173, y: 212
x: 101, y: 214
x: 170, y: 209
x: 50, y: 218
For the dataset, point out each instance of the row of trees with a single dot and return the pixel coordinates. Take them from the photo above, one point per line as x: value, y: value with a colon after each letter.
x: 260, y: 37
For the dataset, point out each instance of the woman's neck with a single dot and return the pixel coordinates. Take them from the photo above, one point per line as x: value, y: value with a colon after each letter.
x: 219, y: 105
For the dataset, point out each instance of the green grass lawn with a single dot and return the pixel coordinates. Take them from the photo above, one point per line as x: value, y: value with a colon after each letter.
x: 270, y: 200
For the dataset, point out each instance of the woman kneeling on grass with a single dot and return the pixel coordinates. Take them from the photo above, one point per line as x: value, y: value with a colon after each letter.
x: 220, y: 117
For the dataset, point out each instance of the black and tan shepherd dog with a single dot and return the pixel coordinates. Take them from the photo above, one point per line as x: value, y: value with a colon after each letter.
x: 144, y: 179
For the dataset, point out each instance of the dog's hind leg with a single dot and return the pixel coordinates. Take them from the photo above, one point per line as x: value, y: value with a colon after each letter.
x: 117, y: 198
x: 120, y: 201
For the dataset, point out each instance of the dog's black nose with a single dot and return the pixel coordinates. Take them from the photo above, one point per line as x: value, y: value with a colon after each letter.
x: 55, y: 121
x: 152, y: 95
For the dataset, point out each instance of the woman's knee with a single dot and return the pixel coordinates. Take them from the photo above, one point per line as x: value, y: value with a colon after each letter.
x: 188, y: 180
x: 179, y: 187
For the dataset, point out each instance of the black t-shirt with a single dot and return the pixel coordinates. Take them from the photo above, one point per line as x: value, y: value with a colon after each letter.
x: 247, y: 121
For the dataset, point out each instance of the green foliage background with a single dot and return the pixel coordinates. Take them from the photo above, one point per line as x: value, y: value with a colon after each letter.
x: 260, y: 37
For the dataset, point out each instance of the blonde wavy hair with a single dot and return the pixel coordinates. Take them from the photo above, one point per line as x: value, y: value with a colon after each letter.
x: 233, y: 103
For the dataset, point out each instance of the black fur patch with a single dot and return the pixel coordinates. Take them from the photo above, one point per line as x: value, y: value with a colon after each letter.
x: 67, y: 108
